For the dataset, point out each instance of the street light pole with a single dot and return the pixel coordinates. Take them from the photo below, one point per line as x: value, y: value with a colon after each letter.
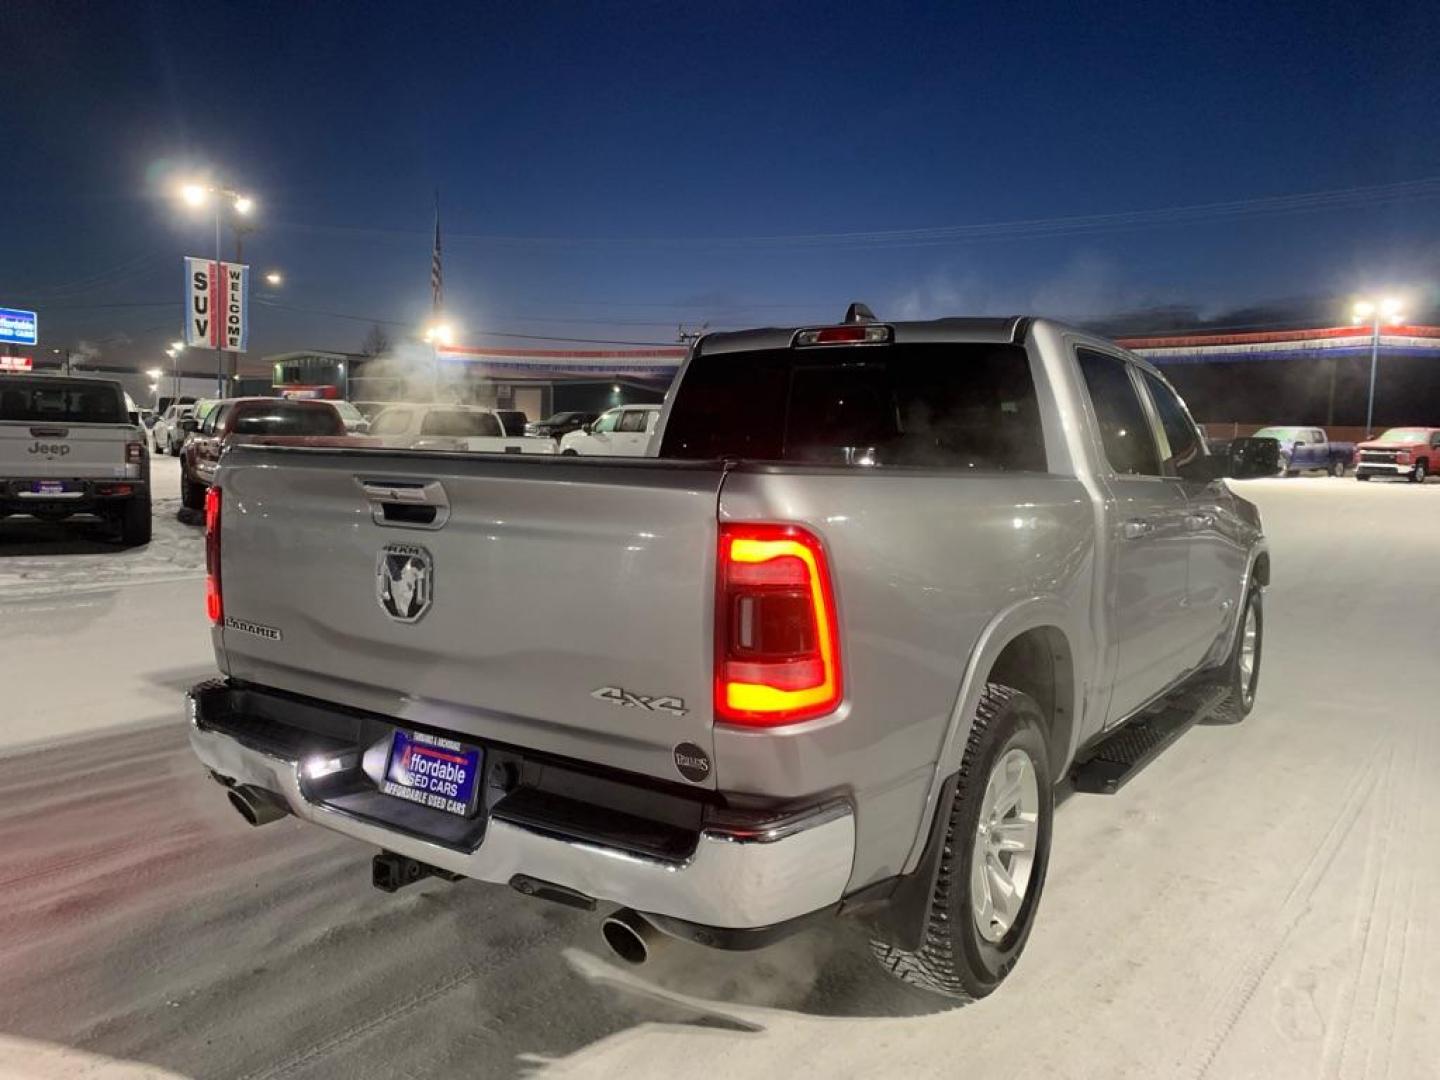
x: 216, y: 315
x: 1374, y: 363
x: 1386, y: 311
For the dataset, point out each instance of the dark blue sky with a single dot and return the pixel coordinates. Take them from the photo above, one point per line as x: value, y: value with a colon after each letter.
x: 606, y: 170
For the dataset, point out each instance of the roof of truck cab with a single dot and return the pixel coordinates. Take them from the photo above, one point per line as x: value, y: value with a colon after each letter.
x: 995, y: 329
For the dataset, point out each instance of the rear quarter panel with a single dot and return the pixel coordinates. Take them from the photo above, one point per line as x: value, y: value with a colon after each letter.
x: 924, y: 565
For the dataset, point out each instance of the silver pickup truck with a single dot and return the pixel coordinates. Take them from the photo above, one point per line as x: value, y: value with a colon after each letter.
x: 884, y: 587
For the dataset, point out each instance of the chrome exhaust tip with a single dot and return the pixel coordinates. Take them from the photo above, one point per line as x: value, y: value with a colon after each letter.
x: 631, y: 936
x: 256, y: 805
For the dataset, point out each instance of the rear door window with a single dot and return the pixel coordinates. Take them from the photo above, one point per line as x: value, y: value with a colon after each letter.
x: 938, y: 405
x: 459, y: 423
x: 60, y: 401
x: 633, y: 420
x: 1124, y: 427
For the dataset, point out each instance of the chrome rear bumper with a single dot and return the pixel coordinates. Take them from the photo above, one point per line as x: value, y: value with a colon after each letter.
x: 736, y: 878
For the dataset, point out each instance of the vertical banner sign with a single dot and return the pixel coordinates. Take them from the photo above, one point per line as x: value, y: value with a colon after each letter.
x: 217, y: 305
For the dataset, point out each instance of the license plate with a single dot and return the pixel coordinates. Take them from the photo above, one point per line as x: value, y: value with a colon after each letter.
x: 48, y: 487
x: 433, y: 771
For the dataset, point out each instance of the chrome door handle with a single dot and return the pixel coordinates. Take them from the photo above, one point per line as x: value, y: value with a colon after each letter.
x: 1135, y: 528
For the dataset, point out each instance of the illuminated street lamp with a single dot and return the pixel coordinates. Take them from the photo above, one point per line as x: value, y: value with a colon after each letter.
x: 197, y: 195
x: 274, y: 277
x: 1387, y: 312
x: 440, y: 334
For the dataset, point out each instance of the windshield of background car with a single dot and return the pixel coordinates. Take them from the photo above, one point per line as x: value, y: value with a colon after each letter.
x: 1281, y: 434
x: 1404, y: 435
x: 288, y: 418
x: 965, y: 405
x: 61, y: 401
x: 460, y: 423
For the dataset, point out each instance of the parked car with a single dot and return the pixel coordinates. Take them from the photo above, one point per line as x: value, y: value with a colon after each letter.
x: 370, y: 409
x: 451, y: 427
x: 514, y: 421
x: 884, y: 586
x: 1411, y: 452
x: 72, y: 446
x: 622, y: 432
x: 168, y: 434
x: 1305, y: 449
x: 356, y: 422
x: 561, y: 423
x: 231, y: 417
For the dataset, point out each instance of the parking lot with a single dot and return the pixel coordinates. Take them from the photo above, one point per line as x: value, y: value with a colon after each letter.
x: 1258, y: 902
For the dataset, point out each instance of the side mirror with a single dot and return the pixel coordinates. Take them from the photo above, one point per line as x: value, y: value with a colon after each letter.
x: 588, y: 428
x: 189, y: 425
x: 1300, y: 442
x: 1248, y: 459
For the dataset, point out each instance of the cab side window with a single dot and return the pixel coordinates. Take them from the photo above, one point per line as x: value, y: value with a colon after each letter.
x: 1124, y: 427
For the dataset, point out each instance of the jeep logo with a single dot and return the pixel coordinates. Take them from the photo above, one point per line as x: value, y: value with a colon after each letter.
x: 50, y: 449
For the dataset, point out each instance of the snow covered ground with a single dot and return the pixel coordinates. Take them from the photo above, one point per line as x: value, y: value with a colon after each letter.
x: 1258, y: 903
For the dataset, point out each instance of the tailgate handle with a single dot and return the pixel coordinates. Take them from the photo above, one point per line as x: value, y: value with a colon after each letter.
x: 407, y: 504
x: 49, y: 432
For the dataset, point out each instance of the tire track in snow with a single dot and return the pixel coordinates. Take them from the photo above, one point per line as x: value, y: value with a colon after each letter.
x: 1239, y: 992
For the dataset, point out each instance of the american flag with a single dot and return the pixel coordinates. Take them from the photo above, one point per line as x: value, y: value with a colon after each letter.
x: 437, y: 277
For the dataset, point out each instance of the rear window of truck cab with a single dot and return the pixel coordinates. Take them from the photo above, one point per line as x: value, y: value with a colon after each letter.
x: 60, y: 401
x: 286, y: 418
x: 938, y: 405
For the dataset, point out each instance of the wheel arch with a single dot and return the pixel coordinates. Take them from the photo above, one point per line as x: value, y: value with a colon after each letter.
x: 1042, y: 646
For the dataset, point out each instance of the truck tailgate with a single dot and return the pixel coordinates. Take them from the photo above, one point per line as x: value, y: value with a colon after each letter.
x: 65, y: 450
x: 570, y: 604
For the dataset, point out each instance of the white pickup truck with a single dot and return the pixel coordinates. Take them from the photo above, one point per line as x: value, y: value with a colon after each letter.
x: 72, y: 446
x: 451, y: 427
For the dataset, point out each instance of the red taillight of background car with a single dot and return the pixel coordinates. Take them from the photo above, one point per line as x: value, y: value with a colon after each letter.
x: 777, y: 644
x: 214, y: 604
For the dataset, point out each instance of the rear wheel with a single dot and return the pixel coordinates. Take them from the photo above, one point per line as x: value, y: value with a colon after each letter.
x: 997, y: 847
x: 192, y: 493
x: 570, y: 453
x: 136, y: 521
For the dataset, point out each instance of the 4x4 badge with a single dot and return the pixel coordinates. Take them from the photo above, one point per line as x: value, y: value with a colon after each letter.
x: 616, y: 695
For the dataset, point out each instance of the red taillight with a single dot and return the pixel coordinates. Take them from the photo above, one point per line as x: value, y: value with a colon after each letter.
x: 214, y: 604
x: 134, y: 453
x: 850, y: 334
x: 777, y: 647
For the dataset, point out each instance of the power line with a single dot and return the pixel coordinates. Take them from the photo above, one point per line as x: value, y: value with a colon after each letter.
x: 1304, y: 202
